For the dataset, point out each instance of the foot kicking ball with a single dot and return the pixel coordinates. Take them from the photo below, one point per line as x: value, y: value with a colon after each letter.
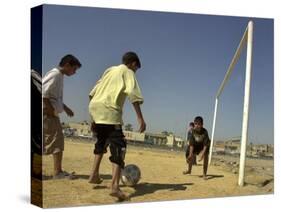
x: 130, y: 175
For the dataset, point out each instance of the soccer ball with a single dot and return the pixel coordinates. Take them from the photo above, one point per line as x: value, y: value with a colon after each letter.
x: 130, y: 175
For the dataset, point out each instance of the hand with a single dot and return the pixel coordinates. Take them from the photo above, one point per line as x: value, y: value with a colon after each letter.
x: 93, y: 126
x: 142, y: 125
x: 68, y: 111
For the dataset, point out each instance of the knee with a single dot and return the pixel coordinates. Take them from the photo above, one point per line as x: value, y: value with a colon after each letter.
x: 118, y: 155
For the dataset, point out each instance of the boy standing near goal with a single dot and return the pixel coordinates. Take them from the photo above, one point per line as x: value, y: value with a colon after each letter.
x: 199, y: 143
x: 106, y: 103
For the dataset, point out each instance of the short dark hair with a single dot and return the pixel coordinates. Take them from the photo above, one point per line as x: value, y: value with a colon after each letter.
x: 198, y: 119
x: 130, y: 57
x: 191, y: 124
x: 71, y: 60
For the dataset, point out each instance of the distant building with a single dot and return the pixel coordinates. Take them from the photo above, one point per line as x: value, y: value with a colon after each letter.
x: 81, y: 128
x: 232, y: 146
x: 219, y: 147
x: 170, y: 140
x: 179, y: 142
x: 134, y: 136
x: 261, y: 150
x: 154, y: 139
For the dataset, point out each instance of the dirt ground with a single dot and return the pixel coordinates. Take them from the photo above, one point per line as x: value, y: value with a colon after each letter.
x: 161, y: 178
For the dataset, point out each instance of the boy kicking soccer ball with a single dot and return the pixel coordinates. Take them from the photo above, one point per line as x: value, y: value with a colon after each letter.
x: 106, y: 104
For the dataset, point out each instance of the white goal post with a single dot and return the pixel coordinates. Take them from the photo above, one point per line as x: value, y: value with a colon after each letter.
x: 247, y: 40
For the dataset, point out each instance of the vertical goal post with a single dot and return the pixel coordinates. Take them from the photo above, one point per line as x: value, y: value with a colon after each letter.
x: 247, y: 40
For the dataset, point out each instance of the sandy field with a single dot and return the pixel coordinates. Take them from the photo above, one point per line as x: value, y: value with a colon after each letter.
x: 161, y: 180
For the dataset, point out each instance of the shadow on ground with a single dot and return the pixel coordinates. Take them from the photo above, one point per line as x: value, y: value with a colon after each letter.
x: 212, y: 176
x: 149, y: 188
x: 79, y: 176
x: 86, y: 177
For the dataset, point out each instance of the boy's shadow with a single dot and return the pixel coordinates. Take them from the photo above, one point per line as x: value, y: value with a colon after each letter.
x: 149, y: 188
x: 79, y: 176
x: 86, y: 177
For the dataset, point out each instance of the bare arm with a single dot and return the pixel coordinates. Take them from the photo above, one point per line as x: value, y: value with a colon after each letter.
x: 139, y: 116
x: 203, y: 153
x: 68, y: 111
x: 191, y: 149
x: 206, y: 143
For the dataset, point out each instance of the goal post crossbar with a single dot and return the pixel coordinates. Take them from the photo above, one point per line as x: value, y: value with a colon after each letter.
x: 233, y: 62
x: 247, y: 40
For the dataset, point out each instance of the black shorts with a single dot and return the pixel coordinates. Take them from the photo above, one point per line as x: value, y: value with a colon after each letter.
x: 112, y: 136
x: 198, y: 147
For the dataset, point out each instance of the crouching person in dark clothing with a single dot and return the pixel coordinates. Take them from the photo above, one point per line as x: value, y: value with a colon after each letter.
x: 199, y: 144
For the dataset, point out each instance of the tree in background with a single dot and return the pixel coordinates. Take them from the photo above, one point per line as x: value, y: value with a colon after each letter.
x: 128, y: 127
